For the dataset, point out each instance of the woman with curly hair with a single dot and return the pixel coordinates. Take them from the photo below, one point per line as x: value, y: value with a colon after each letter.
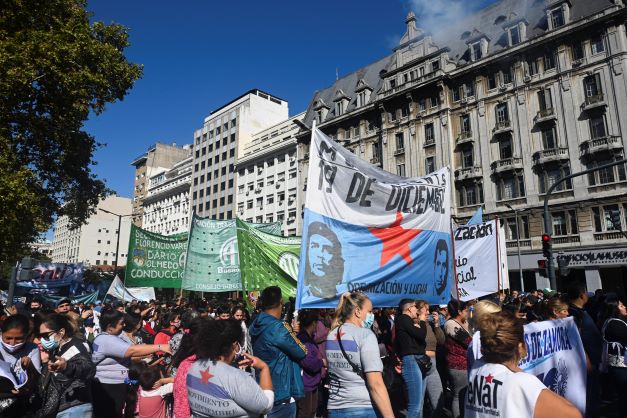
x: 214, y: 387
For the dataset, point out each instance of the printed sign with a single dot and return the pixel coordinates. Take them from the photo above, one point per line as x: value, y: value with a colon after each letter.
x: 46, y: 275
x: 555, y: 355
x: 155, y: 260
x: 366, y: 229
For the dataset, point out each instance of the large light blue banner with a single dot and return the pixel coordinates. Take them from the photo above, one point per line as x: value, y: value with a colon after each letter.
x: 366, y: 229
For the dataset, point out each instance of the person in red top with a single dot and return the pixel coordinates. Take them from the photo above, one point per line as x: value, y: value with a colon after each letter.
x: 172, y: 326
x: 458, y: 339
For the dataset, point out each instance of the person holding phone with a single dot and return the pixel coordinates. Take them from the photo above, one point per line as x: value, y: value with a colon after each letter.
x: 69, y: 365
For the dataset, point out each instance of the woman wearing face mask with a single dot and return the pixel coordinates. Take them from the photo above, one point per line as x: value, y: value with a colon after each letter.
x: 410, y: 347
x: 355, y: 378
x: 15, y: 345
x: 217, y: 389
x: 66, y: 385
x: 112, y: 358
x: 172, y: 325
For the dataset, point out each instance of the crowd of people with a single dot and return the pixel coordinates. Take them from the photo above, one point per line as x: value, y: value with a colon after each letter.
x: 203, y: 358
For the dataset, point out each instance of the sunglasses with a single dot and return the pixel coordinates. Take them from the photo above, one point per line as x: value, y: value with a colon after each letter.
x: 46, y: 335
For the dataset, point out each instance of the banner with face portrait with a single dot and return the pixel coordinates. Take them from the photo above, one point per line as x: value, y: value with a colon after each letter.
x: 370, y: 230
x: 477, y: 266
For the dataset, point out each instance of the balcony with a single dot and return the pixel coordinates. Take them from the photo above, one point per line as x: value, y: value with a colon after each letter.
x: 464, y: 137
x: 567, y: 239
x: 514, y: 243
x: 550, y: 155
x: 399, y: 151
x: 468, y: 173
x: 602, y: 144
x: 593, y: 102
x: 609, y: 235
x: 502, y: 127
x: 545, y: 115
x: 506, y: 164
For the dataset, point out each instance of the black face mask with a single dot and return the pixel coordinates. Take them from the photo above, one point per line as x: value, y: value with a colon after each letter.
x: 34, y: 309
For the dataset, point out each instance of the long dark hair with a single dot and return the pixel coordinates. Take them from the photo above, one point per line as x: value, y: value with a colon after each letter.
x: 610, y: 310
x: 215, y: 339
x: 188, y: 342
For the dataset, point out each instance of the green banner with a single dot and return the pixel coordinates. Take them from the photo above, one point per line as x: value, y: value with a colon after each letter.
x: 267, y: 260
x: 155, y: 260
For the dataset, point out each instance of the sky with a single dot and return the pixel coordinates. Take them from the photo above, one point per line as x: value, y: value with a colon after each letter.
x: 200, y: 54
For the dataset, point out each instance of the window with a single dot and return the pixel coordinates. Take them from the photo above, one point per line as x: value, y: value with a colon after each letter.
x: 557, y: 18
x: 400, y: 142
x: 435, y: 101
x: 339, y: 107
x: 464, y: 122
x: 240, y: 207
x: 606, y: 175
x: 577, y: 49
x: 467, y: 157
x: 270, y: 199
x: 400, y: 170
x: 281, y: 197
x: 550, y: 176
x: 259, y: 202
x: 475, y: 51
x: 597, y: 127
x: 508, y: 75
x: 592, y: 85
x: 392, y: 83
x: 404, y: 110
x: 564, y: 223
x: 604, y: 217
x: 596, y: 43
x: 548, y: 138
x: 512, y: 187
x: 469, y: 194
x: 544, y: 99
x: 514, y: 35
x: 549, y: 60
x: 292, y: 174
x: 511, y: 232
x: 532, y: 66
x: 347, y: 133
x: 429, y: 165
x: 505, y: 148
x: 233, y: 122
x: 429, y: 133
x: 491, y: 81
x: 392, y: 116
x: 502, y: 113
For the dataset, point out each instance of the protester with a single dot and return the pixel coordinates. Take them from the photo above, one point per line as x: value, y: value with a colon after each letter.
x: 433, y: 383
x: 153, y: 389
x: 112, y: 358
x: 311, y: 365
x: 239, y: 313
x: 181, y: 362
x: 66, y: 382
x: 356, y: 382
x: 276, y: 344
x: 15, y: 345
x: 410, y: 348
x: 63, y: 306
x: 554, y: 308
x: 223, y: 313
x: 458, y: 339
x: 132, y: 325
x: 512, y: 392
x: 215, y: 388
x: 615, y: 346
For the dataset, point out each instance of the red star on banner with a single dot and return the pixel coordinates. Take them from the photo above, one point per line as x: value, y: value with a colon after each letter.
x: 489, y: 378
x: 340, y: 334
x: 205, y: 375
x: 396, y: 240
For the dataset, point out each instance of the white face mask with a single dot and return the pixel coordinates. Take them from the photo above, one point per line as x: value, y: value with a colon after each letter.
x: 12, y: 348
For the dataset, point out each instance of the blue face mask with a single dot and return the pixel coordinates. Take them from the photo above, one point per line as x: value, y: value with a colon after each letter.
x: 367, y: 323
x: 49, y: 343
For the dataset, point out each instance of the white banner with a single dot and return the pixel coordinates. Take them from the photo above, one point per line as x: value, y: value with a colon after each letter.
x: 476, y: 263
x: 555, y: 355
x: 117, y: 290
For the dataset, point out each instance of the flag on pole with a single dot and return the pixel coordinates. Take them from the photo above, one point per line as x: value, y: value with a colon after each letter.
x: 366, y: 229
x: 267, y: 260
x: 118, y: 290
x: 477, y: 218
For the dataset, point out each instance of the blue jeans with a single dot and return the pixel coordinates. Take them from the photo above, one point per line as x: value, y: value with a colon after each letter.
x: 79, y: 411
x: 415, y: 385
x: 352, y: 413
x: 283, y: 410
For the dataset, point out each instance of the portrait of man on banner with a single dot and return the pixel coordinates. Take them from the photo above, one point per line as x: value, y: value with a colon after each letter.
x: 324, y: 264
x: 440, y: 267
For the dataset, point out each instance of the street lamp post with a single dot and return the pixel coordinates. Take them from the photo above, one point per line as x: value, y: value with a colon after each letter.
x: 520, y: 271
x: 117, y: 245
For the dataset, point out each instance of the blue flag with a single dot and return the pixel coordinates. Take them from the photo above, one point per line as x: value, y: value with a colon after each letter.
x: 477, y: 218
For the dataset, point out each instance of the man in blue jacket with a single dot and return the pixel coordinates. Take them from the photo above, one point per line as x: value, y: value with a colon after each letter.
x: 275, y: 343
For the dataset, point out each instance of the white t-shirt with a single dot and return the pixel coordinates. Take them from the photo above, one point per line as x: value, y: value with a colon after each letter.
x: 495, y: 391
x: 346, y: 388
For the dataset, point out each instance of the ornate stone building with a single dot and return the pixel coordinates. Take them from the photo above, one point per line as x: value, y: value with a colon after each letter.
x: 511, y: 98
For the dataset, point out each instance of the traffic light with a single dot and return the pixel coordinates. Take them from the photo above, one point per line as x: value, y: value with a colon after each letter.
x: 615, y: 219
x: 546, y: 246
x: 542, y: 267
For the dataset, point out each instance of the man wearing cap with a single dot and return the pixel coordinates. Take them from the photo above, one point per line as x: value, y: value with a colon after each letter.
x: 63, y: 306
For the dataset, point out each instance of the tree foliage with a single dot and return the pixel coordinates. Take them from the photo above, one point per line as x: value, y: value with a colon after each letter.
x: 55, y: 69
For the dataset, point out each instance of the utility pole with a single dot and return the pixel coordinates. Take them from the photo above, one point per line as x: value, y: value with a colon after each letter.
x: 117, y: 245
x: 547, y: 216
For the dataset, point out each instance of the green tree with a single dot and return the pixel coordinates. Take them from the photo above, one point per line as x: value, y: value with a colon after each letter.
x: 56, y: 68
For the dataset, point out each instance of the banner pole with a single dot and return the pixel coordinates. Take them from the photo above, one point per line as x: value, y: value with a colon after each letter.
x: 498, y: 257
x: 189, y: 236
x: 454, y: 259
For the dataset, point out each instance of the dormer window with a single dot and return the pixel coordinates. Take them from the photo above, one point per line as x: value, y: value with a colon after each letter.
x: 514, y: 35
x: 363, y: 93
x: 558, y: 14
x: 321, y: 109
x: 475, y: 51
x: 478, y: 45
x: 341, y: 103
x: 435, y: 66
x: 339, y: 108
x: 557, y: 18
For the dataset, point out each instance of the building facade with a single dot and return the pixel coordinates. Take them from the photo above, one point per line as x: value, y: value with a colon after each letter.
x: 166, y: 206
x: 267, y: 177
x: 225, y: 133
x: 159, y: 158
x: 512, y: 99
x: 94, y: 243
